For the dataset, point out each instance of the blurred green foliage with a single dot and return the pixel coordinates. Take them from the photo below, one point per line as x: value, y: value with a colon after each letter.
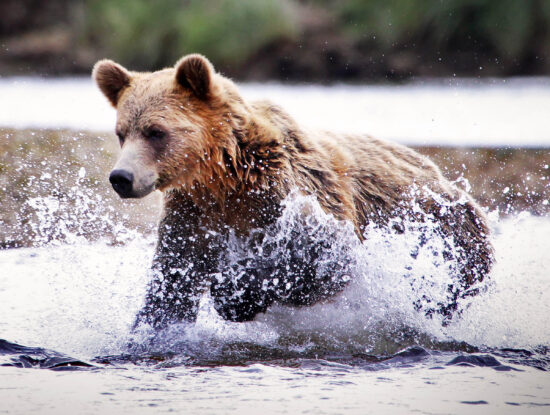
x: 314, y: 40
x: 506, y: 26
x: 146, y: 34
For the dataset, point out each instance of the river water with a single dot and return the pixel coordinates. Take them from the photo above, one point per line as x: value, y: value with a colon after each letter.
x: 67, y: 306
x: 457, y: 112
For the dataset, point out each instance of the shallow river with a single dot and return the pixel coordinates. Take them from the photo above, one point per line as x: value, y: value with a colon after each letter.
x: 72, y: 307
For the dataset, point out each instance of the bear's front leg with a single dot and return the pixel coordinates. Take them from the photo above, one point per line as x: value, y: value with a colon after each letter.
x: 297, y: 266
x: 241, y: 291
x: 174, y: 292
x: 184, y: 259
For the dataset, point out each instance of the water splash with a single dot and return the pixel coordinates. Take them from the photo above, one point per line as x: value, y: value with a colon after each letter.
x: 81, y: 297
x: 78, y: 215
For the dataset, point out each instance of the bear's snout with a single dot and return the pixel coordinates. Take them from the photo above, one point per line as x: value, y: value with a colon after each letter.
x: 122, y: 181
x: 133, y: 175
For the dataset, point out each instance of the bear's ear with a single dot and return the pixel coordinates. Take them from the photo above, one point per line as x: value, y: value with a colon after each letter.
x: 111, y: 78
x: 195, y: 73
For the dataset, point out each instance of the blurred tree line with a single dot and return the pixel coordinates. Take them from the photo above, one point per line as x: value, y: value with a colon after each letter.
x: 314, y: 40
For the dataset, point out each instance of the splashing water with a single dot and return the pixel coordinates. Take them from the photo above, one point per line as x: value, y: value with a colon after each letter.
x: 81, y: 297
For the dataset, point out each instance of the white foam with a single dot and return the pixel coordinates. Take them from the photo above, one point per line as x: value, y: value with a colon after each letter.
x: 81, y: 298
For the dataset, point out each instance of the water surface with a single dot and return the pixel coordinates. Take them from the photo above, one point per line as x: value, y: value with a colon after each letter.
x: 72, y: 307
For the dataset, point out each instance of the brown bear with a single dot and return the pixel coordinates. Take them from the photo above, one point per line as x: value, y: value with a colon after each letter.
x: 226, y: 166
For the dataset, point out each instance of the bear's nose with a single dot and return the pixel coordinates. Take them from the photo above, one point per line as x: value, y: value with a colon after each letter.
x: 122, y: 181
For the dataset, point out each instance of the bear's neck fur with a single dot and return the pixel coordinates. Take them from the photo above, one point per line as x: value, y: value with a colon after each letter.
x: 247, y: 168
x: 256, y: 157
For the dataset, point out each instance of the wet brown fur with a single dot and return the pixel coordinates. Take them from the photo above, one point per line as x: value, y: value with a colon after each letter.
x: 236, y: 161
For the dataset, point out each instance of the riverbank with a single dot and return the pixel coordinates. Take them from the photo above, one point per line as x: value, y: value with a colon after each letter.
x: 51, y: 179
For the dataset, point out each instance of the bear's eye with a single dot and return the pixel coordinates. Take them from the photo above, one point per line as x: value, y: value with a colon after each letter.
x: 120, y: 137
x: 155, y: 134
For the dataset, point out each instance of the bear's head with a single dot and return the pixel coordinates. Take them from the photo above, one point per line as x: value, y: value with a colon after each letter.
x: 176, y: 126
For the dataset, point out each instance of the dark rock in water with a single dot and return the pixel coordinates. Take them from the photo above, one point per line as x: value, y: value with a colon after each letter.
x: 411, y: 354
x: 538, y: 358
x: 16, y: 355
x: 479, y: 360
x: 475, y: 402
x: 474, y: 360
x: 404, y: 358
